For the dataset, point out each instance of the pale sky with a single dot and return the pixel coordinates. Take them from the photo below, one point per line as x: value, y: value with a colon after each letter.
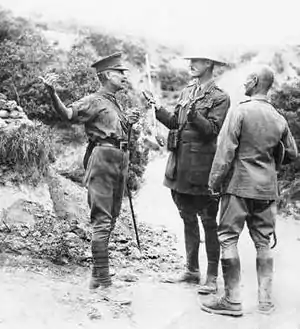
x: 187, y: 22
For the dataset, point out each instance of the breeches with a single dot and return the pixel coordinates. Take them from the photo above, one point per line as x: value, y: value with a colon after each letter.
x: 259, y: 216
x: 189, y: 207
x: 105, y: 177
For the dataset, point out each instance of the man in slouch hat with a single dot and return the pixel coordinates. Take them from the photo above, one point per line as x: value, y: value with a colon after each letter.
x: 194, y: 128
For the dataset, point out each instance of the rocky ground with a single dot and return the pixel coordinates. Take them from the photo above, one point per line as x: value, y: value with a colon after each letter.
x: 36, y: 293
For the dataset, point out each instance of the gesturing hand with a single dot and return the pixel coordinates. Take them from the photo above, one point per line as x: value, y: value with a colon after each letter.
x: 50, y: 80
x: 149, y: 98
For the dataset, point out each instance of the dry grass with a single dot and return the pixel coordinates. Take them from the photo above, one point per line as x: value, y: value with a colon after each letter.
x: 26, y: 152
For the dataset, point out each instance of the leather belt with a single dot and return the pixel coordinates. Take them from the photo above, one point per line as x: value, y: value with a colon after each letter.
x: 121, y: 145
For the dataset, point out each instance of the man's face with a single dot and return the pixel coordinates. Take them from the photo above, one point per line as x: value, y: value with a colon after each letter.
x: 117, y: 79
x: 198, y: 67
x: 250, y: 84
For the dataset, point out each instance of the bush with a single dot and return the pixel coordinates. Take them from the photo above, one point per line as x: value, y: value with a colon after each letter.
x: 172, y: 79
x: 248, y: 56
x: 25, y: 55
x: 287, y: 99
x: 27, y: 152
x: 105, y: 45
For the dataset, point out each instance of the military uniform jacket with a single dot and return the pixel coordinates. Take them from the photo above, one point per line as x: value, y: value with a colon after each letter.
x: 103, y: 119
x: 188, y: 167
x: 102, y: 116
x: 245, y: 162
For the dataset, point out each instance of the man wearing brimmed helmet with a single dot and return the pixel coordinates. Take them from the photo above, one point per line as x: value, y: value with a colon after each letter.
x: 194, y: 128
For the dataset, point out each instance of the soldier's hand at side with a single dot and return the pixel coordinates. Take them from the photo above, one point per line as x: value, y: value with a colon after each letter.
x: 214, y: 192
x: 50, y: 80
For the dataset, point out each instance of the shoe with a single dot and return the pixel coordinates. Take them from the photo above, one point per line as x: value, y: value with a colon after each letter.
x: 208, y: 288
x: 223, y: 307
x: 266, y: 308
x: 187, y: 277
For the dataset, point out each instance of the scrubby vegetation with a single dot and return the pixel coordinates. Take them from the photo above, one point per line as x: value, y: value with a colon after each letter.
x: 287, y: 100
x: 26, y: 54
x: 26, y: 153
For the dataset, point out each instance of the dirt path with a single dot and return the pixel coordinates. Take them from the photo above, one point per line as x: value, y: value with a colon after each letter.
x: 43, y: 300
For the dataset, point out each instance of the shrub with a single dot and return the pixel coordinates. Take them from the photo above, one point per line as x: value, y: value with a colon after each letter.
x: 26, y: 152
x: 25, y: 55
x: 105, y: 45
x: 287, y: 98
x: 172, y: 79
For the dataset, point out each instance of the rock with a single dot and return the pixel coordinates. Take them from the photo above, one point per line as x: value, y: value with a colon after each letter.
x: 2, y: 123
x: 14, y: 114
x: 24, y: 231
x: 16, y: 215
x: 112, y: 246
x: 70, y: 236
x: 36, y: 235
x: 19, y: 108
x: 4, y: 114
x: 94, y: 314
x: 2, y: 103
x: 128, y: 277
x: 135, y: 254
x: 2, y: 96
x: 11, y: 105
x: 80, y: 232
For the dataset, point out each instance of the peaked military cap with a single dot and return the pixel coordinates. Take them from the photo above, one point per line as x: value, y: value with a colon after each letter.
x: 111, y: 62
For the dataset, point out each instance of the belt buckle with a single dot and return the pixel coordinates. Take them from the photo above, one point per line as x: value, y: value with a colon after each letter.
x: 123, y: 146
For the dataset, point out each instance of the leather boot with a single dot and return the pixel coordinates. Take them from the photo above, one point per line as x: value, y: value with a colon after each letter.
x: 187, y: 277
x: 213, y: 256
x: 192, y: 242
x: 230, y: 303
x: 264, y: 269
x: 210, y: 285
x: 100, y: 270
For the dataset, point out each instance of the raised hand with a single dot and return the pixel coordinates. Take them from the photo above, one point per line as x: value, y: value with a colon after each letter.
x: 50, y: 80
x: 149, y: 98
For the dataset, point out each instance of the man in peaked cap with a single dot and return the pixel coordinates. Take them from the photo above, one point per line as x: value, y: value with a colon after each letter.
x: 106, y: 158
x: 194, y: 127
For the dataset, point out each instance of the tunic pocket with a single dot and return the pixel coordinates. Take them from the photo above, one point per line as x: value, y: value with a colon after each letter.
x: 204, y: 106
x: 201, y: 157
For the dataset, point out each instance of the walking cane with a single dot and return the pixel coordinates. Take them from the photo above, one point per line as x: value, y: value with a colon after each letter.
x: 130, y: 198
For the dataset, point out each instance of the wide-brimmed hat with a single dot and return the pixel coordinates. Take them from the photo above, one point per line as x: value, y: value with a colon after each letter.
x: 208, y: 55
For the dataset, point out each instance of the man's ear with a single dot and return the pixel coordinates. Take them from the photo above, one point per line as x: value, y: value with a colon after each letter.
x: 255, y: 80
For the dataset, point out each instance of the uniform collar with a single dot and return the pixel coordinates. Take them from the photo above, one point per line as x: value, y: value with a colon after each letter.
x: 259, y: 97
x: 202, y: 86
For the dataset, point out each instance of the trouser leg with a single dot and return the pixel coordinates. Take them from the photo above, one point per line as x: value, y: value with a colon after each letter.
x: 103, y: 173
x: 233, y: 214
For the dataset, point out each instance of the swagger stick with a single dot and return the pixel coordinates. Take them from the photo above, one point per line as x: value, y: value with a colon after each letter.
x: 130, y: 197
